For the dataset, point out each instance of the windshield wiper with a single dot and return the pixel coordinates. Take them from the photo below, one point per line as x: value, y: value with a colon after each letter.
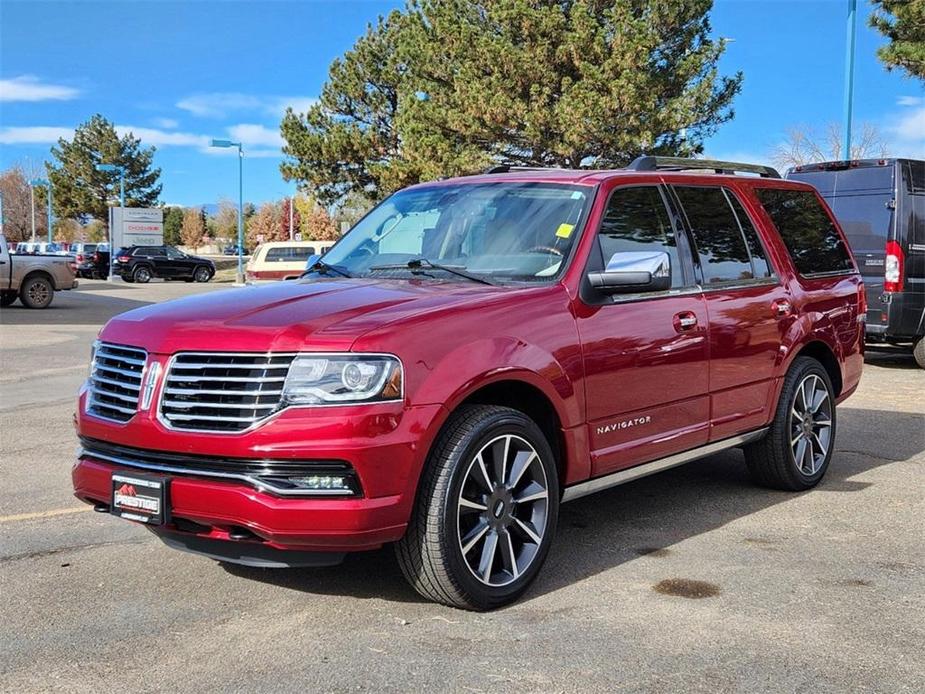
x: 420, y: 264
x: 324, y: 268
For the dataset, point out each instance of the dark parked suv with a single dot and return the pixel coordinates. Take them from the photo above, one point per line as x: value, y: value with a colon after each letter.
x: 142, y: 263
x: 880, y: 204
x: 472, y: 354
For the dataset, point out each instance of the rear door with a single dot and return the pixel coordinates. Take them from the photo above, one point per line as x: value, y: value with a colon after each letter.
x: 749, y: 309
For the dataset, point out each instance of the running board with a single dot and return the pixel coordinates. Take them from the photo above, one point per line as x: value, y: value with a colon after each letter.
x: 576, y: 491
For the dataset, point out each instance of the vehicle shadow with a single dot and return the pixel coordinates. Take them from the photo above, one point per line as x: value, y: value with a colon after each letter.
x: 891, y: 358
x: 645, y: 517
x: 68, y: 309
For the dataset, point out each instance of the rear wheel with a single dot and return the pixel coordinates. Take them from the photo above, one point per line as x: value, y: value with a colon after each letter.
x: 36, y: 292
x: 142, y: 275
x: 7, y: 297
x: 918, y: 351
x: 486, y: 512
x: 798, y: 447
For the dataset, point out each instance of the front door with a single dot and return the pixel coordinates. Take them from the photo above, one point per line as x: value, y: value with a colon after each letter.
x: 645, y: 355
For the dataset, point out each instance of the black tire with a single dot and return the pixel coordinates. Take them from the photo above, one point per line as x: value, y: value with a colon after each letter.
x: 142, y: 274
x: 36, y: 292
x: 128, y: 278
x: 772, y: 461
x: 7, y: 298
x: 918, y: 351
x: 431, y: 553
x: 202, y: 274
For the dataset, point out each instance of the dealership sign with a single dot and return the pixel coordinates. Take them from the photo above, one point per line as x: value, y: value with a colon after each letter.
x: 137, y: 226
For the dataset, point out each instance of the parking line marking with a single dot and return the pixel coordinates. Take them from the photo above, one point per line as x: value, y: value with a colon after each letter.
x: 44, y: 514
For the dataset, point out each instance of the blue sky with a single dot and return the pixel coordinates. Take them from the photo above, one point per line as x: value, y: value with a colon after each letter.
x: 178, y: 73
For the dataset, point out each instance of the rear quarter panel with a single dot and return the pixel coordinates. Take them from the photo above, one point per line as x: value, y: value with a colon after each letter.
x: 830, y: 309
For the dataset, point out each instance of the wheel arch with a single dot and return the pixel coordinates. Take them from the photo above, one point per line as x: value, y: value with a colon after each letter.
x: 821, y: 352
x: 38, y: 273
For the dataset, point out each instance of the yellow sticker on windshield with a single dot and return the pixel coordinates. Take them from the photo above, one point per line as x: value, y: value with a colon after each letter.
x: 565, y: 230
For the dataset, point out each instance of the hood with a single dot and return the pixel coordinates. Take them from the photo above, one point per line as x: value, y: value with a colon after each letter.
x: 326, y: 314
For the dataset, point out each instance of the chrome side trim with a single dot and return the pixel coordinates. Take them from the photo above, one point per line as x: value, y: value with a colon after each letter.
x: 174, y: 469
x: 576, y: 491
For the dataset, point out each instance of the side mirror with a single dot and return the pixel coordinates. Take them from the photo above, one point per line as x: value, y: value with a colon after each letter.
x: 632, y: 272
x: 312, y: 259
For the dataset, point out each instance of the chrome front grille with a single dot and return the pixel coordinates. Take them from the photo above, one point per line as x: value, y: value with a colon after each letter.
x: 222, y: 391
x: 115, y: 381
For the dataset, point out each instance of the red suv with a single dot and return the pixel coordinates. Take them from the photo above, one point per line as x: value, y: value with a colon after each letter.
x: 472, y: 354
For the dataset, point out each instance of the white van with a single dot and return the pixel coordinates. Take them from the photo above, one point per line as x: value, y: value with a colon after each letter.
x: 282, y: 260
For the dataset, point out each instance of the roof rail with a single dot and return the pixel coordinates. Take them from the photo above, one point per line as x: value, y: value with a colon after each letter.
x: 647, y: 163
x: 506, y: 168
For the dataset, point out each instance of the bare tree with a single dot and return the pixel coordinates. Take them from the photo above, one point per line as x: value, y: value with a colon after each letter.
x: 805, y: 145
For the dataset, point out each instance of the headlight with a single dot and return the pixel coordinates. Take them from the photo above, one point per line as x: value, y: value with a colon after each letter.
x: 93, y: 348
x: 320, y: 379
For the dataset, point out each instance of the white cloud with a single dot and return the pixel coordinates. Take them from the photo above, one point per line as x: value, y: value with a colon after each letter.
x: 168, y: 123
x: 33, y: 135
x: 31, y: 88
x: 905, y: 129
x: 250, y: 134
x: 219, y: 104
x: 164, y: 138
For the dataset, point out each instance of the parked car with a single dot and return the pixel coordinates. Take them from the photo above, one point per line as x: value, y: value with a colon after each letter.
x: 880, y: 204
x: 473, y: 353
x: 33, y: 279
x: 142, y: 263
x: 232, y: 250
x: 282, y: 260
x: 93, y: 261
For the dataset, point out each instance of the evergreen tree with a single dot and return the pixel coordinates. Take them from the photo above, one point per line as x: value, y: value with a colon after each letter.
x: 903, y: 23
x: 81, y: 189
x: 451, y: 86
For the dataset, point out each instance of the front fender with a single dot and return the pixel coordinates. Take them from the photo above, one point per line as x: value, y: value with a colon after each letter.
x: 462, y: 371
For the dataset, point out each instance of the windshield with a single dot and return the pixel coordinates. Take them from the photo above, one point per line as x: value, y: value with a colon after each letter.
x: 501, y: 231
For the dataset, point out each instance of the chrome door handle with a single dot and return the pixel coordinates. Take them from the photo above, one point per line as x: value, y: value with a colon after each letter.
x: 684, y: 321
x: 782, y: 308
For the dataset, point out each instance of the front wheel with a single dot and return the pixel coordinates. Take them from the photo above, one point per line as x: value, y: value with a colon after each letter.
x: 202, y: 274
x: 798, y: 447
x: 486, y: 510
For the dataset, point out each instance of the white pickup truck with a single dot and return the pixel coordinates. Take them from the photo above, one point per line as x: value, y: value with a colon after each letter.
x: 34, y: 279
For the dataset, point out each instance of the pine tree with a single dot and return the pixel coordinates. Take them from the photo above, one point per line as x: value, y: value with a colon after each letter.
x: 82, y: 189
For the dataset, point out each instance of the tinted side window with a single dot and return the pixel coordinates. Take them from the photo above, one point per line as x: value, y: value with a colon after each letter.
x: 807, y: 231
x: 636, y: 220
x: 288, y: 254
x: 720, y: 245
x: 760, y: 265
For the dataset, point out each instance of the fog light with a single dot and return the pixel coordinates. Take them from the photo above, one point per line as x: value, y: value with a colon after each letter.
x: 323, y: 482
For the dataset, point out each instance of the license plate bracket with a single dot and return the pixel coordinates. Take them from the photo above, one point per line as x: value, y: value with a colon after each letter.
x: 140, y: 497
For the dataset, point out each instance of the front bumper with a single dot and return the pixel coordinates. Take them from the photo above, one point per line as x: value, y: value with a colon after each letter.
x: 383, y: 445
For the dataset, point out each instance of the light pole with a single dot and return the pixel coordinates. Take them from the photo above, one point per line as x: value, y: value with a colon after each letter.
x: 32, y: 208
x: 229, y: 143
x: 121, y: 170
x: 41, y: 182
x: 849, y: 74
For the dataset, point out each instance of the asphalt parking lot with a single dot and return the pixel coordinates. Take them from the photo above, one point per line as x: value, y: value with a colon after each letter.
x: 822, y: 591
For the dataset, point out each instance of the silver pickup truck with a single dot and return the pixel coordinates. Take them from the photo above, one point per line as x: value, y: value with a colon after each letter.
x: 34, y: 279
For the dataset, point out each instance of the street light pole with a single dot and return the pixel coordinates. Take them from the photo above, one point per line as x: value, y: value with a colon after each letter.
x: 32, y: 208
x: 849, y: 75
x: 229, y: 143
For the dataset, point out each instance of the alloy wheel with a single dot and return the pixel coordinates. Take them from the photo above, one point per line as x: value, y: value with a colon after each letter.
x: 202, y: 275
x: 810, y: 424
x: 502, y: 510
x: 38, y: 293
